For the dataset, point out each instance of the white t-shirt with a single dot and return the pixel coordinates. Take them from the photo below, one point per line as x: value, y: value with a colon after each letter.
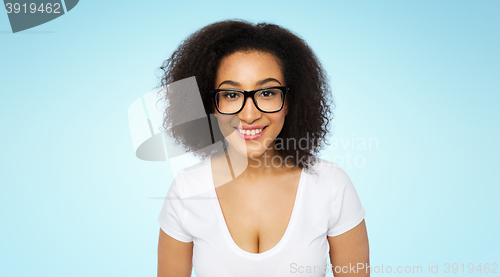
x: 326, y: 205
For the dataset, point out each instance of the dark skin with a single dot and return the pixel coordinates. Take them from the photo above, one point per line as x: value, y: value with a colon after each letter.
x: 257, y: 204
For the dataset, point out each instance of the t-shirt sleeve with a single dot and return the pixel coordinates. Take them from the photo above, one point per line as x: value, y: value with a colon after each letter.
x: 347, y: 211
x: 172, y: 215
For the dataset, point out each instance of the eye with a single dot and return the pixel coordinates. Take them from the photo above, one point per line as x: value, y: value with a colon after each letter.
x: 229, y: 94
x: 268, y: 93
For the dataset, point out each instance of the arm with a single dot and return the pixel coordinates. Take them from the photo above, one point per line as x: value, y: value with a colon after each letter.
x: 349, y: 249
x: 174, y: 257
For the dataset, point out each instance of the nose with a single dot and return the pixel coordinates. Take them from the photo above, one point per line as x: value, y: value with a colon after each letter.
x: 249, y: 113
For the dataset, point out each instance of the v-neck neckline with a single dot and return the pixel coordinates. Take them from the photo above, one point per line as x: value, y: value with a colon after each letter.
x: 284, y: 238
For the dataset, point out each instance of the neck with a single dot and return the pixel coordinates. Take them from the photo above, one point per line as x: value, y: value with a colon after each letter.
x: 245, y: 166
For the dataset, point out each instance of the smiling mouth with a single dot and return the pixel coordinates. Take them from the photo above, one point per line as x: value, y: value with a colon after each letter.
x: 250, y: 131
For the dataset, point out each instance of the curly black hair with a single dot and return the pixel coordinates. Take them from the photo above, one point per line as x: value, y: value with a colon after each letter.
x: 309, y: 101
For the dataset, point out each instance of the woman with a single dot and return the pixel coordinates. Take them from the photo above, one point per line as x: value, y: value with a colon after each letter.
x: 269, y: 207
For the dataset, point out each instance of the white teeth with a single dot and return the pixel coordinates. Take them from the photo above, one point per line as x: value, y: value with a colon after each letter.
x: 250, y: 132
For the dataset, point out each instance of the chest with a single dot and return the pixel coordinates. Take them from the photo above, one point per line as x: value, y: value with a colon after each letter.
x: 258, y: 214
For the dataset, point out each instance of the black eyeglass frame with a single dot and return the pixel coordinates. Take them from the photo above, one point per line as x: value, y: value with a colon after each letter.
x: 251, y: 94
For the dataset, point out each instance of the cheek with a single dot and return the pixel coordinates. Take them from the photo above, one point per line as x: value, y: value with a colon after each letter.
x: 279, y: 117
x: 225, y: 123
x: 278, y: 120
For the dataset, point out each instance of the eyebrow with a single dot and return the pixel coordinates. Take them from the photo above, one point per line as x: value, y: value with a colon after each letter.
x: 262, y: 82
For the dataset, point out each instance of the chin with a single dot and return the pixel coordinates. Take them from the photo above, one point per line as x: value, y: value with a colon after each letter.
x: 251, y: 153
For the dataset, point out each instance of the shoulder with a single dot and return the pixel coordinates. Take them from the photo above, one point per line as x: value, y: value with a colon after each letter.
x: 193, y: 180
x: 327, y: 171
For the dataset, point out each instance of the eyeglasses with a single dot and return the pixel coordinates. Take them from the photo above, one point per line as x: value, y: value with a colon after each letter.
x: 266, y: 100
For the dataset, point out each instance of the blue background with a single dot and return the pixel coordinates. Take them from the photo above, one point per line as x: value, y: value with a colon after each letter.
x: 421, y: 78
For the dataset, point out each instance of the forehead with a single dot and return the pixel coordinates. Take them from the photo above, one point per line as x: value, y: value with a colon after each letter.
x: 247, y: 68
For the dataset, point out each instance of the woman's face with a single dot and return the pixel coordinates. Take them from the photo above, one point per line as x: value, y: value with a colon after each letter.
x: 249, y: 71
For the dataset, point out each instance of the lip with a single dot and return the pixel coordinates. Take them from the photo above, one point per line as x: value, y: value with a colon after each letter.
x: 251, y: 137
x: 251, y: 127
